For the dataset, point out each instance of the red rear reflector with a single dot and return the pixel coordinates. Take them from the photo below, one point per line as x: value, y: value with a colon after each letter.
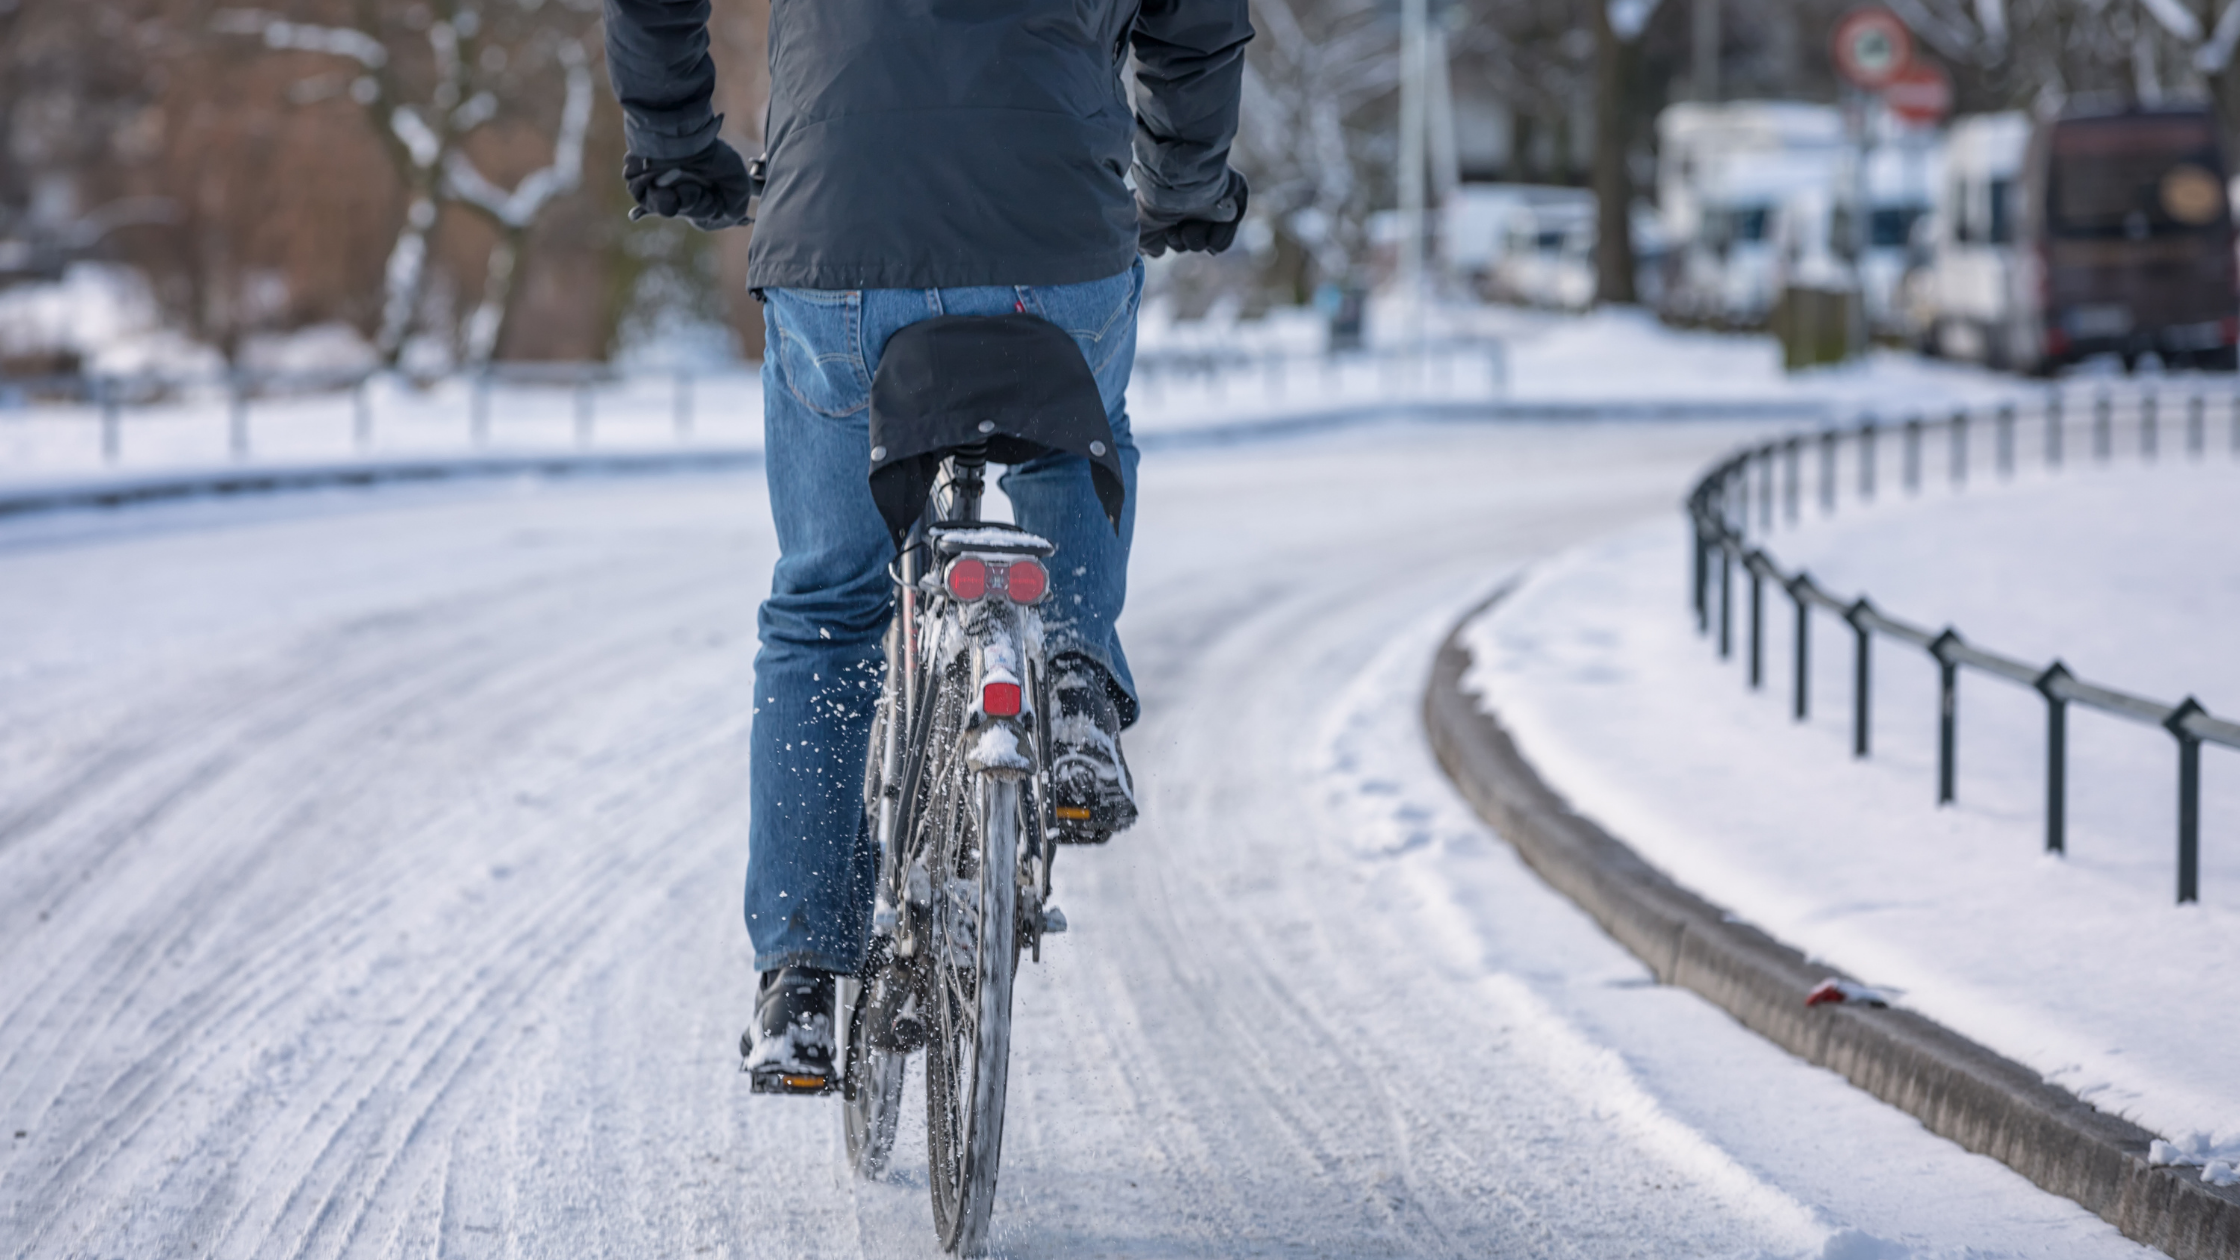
x: 1025, y: 581
x: 1000, y: 699
x: 968, y: 578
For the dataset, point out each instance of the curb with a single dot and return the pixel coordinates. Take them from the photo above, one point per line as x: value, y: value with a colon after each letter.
x: 1957, y: 1089
x: 191, y: 483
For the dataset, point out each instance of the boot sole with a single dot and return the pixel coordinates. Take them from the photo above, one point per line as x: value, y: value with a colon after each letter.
x: 776, y: 1080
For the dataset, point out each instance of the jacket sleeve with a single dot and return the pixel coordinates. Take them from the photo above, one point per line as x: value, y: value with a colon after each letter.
x: 1189, y: 76
x: 657, y: 58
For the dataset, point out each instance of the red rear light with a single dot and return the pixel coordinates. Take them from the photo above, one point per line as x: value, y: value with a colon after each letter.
x: 1000, y: 699
x: 968, y: 578
x: 2230, y: 328
x: 1025, y: 581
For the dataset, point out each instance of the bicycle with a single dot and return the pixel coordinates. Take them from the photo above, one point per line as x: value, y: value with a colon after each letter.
x: 955, y: 792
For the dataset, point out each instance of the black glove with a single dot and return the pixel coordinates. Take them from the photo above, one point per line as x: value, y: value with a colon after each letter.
x: 1209, y: 230
x: 712, y: 189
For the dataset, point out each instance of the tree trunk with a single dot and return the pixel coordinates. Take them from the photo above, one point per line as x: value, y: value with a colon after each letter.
x: 1615, y: 62
x: 403, y: 277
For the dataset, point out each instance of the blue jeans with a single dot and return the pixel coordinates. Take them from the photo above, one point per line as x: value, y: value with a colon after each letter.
x: 812, y: 868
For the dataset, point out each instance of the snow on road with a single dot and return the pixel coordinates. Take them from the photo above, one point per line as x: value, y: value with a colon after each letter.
x: 369, y: 874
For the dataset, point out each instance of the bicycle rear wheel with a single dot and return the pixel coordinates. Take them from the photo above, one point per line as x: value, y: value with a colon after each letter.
x: 971, y: 962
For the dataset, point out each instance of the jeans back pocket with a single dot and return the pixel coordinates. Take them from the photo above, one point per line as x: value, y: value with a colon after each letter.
x: 818, y: 343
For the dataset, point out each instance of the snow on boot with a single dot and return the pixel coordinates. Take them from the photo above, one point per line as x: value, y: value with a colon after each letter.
x: 1090, y: 788
x: 789, y: 1050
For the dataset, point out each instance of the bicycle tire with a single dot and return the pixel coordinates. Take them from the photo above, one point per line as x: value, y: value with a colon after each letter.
x: 871, y: 1105
x: 970, y: 963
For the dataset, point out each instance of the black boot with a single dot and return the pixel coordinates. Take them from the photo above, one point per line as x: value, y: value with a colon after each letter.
x: 1090, y: 788
x: 789, y: 1050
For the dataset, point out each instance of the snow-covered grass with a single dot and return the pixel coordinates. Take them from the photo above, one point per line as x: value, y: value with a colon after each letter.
x: 2079, y: 966
x: 1498, y: 356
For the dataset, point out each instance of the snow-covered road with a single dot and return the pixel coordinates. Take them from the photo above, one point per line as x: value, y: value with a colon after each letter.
x: 369, y: 875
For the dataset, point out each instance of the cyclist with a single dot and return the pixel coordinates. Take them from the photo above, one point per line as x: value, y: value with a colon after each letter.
x: 923, y: 158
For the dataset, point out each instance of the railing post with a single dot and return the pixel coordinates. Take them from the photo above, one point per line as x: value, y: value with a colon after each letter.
x: 361, y: 414
x: 2189, y: 801
x: 2149, y: 438
x: 1793, y: 457
x: 112, y: 418
x: 2057, y: 756
x: 1913, y: 455
x: 1757, y: 618
x: 1699, y: 577
x: 237, y: 414
x: 1726, y: 599
x: 1867, y: 460
x: 1827, y: 470
x: 1765, y: 489
x: 1862, y: 677
x: 2004, y: 427
x: 1958, y: 459
x: 1798, y: 586
x: 1738, y: 497
x: 2103, y: 425
x: 2053, y: 428
x: 1948, y: 716
x: 478, y: 409
x: 681, y: 405
x: 2197, y: 437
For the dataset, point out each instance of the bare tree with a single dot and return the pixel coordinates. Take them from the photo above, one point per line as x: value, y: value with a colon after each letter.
x: 434, y: 79
x: 1306, y: 135
x: 1618, y: 28
x: 2208, y: 33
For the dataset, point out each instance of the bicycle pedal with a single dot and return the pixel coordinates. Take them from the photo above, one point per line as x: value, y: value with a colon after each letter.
x: 770, y: 1080
x: 1073, y: 831
x: 1053, y: 921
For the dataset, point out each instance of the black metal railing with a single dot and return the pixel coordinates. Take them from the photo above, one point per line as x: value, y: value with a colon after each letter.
x: 1439, y: 363
x: 1721, y: 506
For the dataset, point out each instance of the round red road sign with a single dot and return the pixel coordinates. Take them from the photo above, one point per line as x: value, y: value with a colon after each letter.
x: 1921, y: 94
x: 1872, y: 48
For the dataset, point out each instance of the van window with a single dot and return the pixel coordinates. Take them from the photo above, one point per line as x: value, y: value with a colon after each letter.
x: 2108, y: 175
x: 2001, y: 231
x: 1892, y: 226
x: 1750, y: 223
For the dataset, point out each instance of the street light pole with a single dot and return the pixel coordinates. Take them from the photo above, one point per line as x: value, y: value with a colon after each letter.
x: 1414, y: 102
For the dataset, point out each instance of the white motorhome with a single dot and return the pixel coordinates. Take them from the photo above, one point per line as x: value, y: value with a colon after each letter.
x: 1475, y: 221
x: 1724, y: 174
x: 1967, y: 289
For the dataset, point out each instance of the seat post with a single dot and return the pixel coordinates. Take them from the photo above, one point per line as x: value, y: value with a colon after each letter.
x: 968, y: 467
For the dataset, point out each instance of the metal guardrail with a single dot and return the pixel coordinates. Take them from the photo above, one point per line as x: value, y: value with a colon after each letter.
x: 1721, y: 504
x: 1157, y: 367
x: 112, y: 394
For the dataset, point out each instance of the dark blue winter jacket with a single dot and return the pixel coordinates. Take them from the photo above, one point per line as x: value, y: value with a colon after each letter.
x: 934, y: 143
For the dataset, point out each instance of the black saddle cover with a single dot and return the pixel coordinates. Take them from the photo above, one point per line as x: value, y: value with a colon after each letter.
x: 1016, y: 382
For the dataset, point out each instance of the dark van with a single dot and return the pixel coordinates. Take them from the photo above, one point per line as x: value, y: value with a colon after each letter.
x: 2126, y: 242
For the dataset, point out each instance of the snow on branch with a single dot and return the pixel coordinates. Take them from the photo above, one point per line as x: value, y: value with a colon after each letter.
x: 520, y: 208
x: 1628, y: 18
x: 2175, y: 18
x: 2212, y: 58
x: 419, y: 139
x: 279, y: 33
